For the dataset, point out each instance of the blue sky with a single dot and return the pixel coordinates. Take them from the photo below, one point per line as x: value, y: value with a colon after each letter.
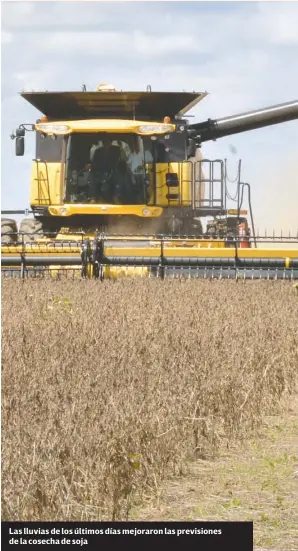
x: 243, y: 53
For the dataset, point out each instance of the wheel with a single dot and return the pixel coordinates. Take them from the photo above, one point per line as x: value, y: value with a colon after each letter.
x: 193, y: 227
x: 174, y: 226
x: 9, y: 231
x: 30, y: 230
x: 197, y: 227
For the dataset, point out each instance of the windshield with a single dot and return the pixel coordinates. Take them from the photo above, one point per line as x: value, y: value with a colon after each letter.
x: 118, y: 168
x: 106, y: 168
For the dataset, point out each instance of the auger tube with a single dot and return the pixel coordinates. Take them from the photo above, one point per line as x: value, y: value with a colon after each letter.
x: 213, y: 129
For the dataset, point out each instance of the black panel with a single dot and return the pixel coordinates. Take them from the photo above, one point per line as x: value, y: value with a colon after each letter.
x: 138, y: 105
x: 176, y: 143
x: 48, y: 149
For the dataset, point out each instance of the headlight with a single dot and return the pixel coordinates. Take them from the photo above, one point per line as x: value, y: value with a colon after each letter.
x: 62, y: 211
x: 156, y: 128
x: 157, y: 212
x: 53, y: 128
x: 146, y: 212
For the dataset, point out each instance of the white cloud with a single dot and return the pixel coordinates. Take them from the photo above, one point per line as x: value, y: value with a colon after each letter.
x: 13, y: 14
x: 6, y: 38
x: 152, y: 45
x: 279, y: 22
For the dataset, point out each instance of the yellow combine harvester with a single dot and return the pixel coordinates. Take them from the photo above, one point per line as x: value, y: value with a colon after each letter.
x: 119, y: 186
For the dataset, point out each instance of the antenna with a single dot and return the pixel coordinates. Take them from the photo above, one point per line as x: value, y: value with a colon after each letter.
x: 148, y: 88
x: 84, y: 88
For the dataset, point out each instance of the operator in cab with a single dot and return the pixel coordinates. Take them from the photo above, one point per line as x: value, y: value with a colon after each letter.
x: 107, y: 163
x: 105, y: 156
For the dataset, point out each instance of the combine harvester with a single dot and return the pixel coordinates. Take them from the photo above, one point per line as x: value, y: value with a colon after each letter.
x: 119, y: 187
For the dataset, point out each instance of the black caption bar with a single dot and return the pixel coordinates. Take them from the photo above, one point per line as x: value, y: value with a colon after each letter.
x: 91, y: 536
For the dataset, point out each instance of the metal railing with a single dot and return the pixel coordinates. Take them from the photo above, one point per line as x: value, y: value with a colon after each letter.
x: 201, y: 185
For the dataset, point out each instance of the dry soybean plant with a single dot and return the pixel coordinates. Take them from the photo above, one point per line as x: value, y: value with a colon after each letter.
x: 107, y: 387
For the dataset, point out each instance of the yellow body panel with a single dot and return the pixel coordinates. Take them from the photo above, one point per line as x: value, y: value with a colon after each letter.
x: 46, y: 183
x: 77, y: 208
x: 184, y: 191
x: 191, y: 183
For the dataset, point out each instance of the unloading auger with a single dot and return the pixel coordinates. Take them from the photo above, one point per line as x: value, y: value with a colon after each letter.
x: 119, y: 186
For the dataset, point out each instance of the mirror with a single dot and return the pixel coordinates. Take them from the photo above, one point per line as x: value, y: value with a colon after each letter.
x: 20, y: 146
x: 20, y: 132
x: 191, y: 148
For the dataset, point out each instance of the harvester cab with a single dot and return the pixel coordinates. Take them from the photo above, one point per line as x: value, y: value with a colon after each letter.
x: 115, y: 165
x: 121, y: 160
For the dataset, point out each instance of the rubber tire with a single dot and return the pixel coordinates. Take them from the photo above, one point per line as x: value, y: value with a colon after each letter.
x: 193, y: 228
x: 32, y: 230
x: 9, y: 231
x: 198, y: 228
